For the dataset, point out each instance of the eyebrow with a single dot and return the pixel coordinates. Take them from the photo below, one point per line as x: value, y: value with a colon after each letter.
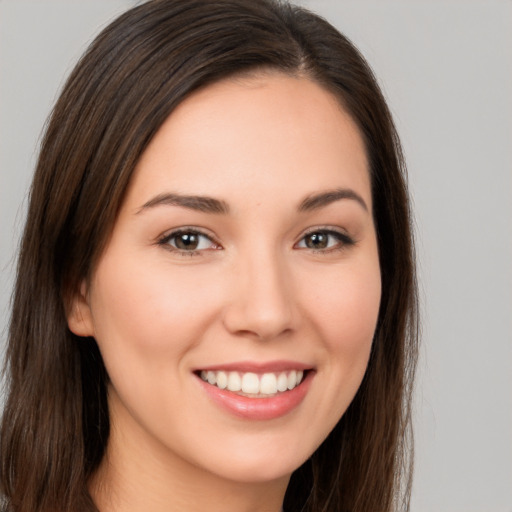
x: 323, y: 199
x: 207, y: 204
x: 198, y: 203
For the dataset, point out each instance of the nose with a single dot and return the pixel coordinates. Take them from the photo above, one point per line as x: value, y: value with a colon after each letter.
x: 261, y: 303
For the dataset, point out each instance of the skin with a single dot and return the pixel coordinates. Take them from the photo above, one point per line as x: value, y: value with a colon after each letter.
x: 254, y: 291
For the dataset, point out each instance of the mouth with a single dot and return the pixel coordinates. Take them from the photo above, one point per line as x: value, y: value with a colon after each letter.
x: 253, y: 392
x: 252, y: 384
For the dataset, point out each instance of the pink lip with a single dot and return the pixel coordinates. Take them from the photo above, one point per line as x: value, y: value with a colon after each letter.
x: 255, y: 367
x: 259, y: 408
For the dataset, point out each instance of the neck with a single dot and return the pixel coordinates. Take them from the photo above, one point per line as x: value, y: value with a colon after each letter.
x: 136, y: 476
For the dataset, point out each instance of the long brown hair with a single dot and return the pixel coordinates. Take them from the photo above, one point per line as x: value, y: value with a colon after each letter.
x: 55, y: 425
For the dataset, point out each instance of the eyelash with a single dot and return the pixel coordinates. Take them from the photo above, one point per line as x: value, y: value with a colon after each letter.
x: 165, y: 240
x: 343, y: 241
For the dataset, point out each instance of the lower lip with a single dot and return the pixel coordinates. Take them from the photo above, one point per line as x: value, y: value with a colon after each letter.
x: 259, y: 408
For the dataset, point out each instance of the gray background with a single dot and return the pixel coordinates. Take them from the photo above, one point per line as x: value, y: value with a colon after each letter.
x: 446, y: 69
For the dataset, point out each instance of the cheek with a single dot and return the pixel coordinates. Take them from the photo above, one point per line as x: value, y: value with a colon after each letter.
x: 347, y: 308
x: 342, y: 314
x: 147, y: 312
x: 147, y: 319
x: 345, y: 312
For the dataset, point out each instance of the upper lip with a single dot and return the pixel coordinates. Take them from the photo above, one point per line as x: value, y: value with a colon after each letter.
x: 258, y: 367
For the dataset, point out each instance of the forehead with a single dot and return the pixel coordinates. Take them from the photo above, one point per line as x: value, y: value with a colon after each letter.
x: 256, y: 134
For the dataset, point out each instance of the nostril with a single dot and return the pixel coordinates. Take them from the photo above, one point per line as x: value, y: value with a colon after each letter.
x: 262, y: 304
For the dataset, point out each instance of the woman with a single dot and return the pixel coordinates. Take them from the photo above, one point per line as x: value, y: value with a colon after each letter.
x: 215, y: 301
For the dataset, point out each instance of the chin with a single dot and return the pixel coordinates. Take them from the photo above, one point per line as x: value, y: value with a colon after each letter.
x: 268, y: 461
x: 258, y: 472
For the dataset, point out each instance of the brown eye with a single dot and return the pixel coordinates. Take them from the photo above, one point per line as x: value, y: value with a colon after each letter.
x: 325, y: 240
x: 317, y: 240
x: 188, y: 241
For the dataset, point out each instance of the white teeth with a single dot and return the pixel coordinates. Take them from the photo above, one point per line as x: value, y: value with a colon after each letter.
x: 282, y: 382
x: 292, y: 379
x: 250, y: 383
x: 234, y: 382
x: 222, y: 380
x: 268, y: 384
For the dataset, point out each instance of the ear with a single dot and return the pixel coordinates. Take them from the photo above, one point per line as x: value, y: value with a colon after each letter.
x: 79, y: 315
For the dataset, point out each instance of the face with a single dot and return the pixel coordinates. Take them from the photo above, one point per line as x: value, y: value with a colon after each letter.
x: 237, y: 299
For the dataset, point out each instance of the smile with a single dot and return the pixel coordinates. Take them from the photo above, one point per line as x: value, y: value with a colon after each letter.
x: 252, y: 384
x: 257, y: 392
